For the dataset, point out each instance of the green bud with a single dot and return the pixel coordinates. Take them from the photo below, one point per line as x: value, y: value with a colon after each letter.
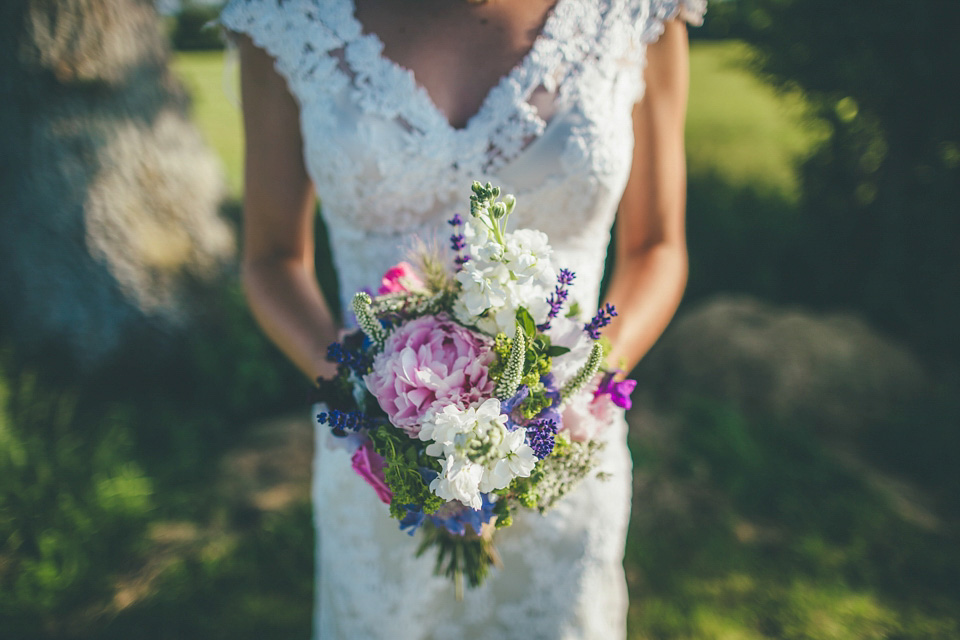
x: 368, y: 322
x: 585, y: 374
x: 510, y: 378
x: 510, y: 202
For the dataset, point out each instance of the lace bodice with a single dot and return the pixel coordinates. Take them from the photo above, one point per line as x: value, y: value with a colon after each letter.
x: 387, y: 164
x: 555, y: 131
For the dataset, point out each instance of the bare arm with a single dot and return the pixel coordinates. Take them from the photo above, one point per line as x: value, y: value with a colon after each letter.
x: 650, y: 271
x: 279, y: 203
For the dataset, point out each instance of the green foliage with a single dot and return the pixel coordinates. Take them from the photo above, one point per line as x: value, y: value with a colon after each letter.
x: 82, y: 463
x: 458, y: 556
x: 195, y: 29
x: 73, y: 506
x: 538, y: 355
x: 775, y: 536
x: 880, y: 195
x: 402, y: 464
x: 246, y: 581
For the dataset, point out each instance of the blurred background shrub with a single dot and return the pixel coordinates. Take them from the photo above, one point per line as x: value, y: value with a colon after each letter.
x: 880, y: 196
x: 194, y: 27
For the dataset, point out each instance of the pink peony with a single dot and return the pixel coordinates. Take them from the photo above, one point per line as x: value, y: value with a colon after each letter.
x: 426, y: 364
x: 400, y: 277
x: 369, y: 465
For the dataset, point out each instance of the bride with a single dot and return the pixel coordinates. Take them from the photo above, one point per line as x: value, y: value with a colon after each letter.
x: 389, y: 110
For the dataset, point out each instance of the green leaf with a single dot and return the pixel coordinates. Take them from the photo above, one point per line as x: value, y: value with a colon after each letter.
x: 525, y: 320
x: 557, y: 350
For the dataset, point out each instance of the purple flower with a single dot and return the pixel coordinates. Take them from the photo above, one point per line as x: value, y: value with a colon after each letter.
x: 604, y: 316
x: 457, y: 241
x: 507, y: 406
x: 343, y: 421
x: 542, y: 437
x: 352, y: 359
x: 558, y: 297
x: 619, y: 391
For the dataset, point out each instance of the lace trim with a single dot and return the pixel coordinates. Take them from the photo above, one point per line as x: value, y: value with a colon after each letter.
x: 505, y: 121
x: 662, y: 11
x: 331, y: 50
x: 294, y: 35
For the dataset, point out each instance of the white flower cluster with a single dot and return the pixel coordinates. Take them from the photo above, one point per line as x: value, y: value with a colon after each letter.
x: 501, y: 277
x: 478, y: 454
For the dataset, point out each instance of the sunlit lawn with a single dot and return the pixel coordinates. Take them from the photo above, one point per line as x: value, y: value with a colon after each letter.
x: 739, y: 127
x: 215, y: 90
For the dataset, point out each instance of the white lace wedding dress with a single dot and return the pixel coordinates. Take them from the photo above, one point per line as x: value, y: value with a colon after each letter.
x: 389, y: 167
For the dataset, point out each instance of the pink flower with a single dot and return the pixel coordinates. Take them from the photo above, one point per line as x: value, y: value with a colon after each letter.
x: 369, y: 465
x: 619, y: 391
x: 586, y: 417
x: 400, y: 277
x: 426, y: 364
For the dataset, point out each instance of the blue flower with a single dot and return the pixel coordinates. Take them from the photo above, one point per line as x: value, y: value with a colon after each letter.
x: 456, y: 522
x: 412, y: 521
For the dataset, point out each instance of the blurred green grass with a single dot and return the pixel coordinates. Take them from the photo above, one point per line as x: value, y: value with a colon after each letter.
x: 739, y: 128
x: 211, y: 79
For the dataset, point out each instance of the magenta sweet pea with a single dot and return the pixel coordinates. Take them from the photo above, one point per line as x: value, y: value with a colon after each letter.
x: 369, y: 465
x: 398, y: 278
x: 618, y: 390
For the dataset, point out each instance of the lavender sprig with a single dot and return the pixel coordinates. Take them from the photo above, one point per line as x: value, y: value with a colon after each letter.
x: 558, y: 297
x: 342, y: 421
x: 604, y: 316
x: 356, y: 361
x: 542, y: 437
x: 457, y: 241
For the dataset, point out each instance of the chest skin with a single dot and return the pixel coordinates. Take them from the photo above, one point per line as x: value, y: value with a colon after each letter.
x: 458, y: 51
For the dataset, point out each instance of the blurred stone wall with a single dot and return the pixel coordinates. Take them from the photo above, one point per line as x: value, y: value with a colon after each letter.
x: 109, y: 198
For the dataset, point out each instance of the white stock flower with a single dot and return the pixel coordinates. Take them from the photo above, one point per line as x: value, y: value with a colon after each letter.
x: 496, y: 282
x: 459, y: 479
x: 516, y: 459
x: 457, y: 434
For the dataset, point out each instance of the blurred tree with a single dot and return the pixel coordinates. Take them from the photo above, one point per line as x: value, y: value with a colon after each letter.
x: 192, y: 29
x: 881, y: 197
x: 108, y: 196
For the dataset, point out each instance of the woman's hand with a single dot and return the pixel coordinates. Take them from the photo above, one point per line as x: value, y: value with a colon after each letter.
x: 650, y: 271
x: 279, y: 207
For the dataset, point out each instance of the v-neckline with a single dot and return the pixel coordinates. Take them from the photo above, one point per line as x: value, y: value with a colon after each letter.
x: 417, y: 89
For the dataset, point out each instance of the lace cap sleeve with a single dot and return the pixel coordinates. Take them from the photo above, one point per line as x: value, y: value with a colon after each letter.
x: 662, y: 11
x: 292, y: 32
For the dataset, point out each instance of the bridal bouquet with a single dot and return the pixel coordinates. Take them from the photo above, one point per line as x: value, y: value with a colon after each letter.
x: 471, y: 389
